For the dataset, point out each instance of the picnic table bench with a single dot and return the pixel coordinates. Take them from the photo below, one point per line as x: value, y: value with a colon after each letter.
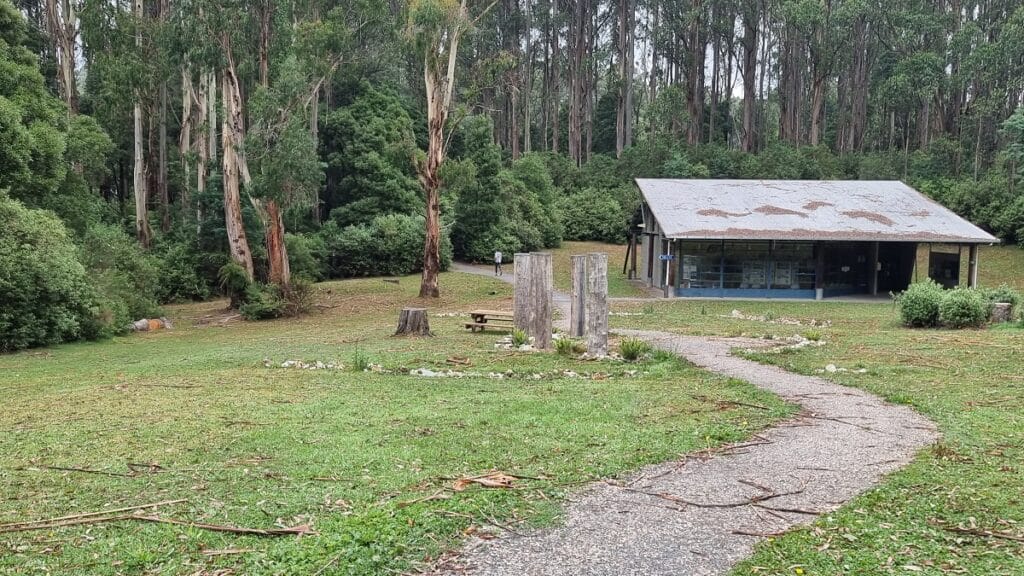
x: 484, y: 319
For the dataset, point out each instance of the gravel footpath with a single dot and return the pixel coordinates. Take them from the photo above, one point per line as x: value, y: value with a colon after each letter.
x: 700, y: 516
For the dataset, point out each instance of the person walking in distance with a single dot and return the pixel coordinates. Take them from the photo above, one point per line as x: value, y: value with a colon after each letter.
x: 497, y: 263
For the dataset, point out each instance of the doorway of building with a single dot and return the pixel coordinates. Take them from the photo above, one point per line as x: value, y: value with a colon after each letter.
x: 895, y: 266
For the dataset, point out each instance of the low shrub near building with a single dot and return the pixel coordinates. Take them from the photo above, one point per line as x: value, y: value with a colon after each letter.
x: 1004, y: 294
x: 919, y: 304
x: 963, y: 308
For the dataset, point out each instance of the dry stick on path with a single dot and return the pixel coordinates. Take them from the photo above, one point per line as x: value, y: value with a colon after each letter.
x: 679, y: 500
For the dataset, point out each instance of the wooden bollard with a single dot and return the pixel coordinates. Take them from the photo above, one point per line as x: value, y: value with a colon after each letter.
x: 534, y: 288
x: 588, y: 316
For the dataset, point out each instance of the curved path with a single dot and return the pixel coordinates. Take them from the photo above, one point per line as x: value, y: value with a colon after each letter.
x: 701, y: 516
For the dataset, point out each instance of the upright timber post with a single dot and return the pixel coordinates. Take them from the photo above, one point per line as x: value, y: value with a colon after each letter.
x: 972, y: 271
x: 819, y: 270
x: 589, y: 308
x: 534, y: 289
x: 873, y: 270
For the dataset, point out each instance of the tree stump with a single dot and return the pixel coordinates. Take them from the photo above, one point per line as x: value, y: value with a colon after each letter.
x: 413, y: 322
x: 1001, y: 312
x: 589, y: 307
x: 534, y: 289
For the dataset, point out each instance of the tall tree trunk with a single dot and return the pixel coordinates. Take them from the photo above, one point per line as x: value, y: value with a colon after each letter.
x: 695, y: 74
x: 556, y: 81
x: 234, y: 167
x: 528, y: 80
x: 624, y: 108
x: 439, y: 90
x: 162, y: 186
x: 266, y: 9
x: 142, y: 229
x: 577, y: 79
x: 817, y: 103
x: 653, y: 87
x: 188, y: 95
x: 62, y: 26
x: 750, y: 23
x: 277, y: 254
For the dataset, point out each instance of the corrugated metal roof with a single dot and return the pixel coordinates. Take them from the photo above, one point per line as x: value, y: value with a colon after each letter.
x: 844, y: 210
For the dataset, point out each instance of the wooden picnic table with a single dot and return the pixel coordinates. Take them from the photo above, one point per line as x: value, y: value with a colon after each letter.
x: 484, y: 319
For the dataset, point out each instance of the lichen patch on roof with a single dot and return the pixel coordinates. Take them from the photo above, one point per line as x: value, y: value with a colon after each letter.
x: 852, y: 210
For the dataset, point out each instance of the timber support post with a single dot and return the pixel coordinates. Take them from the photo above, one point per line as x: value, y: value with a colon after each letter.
x: 534, y: 289
x: 972, y: 266
x: 589, y: 308
x: 873, y: 269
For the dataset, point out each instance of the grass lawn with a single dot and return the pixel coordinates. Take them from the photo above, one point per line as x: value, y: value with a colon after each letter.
x: 970, y: 382
x: 254, y: 446
x: 618, y: 285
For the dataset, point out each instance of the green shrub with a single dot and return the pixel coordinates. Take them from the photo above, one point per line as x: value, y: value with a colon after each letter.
x: 300, y: 299
x: 262, y: 303
x: 594, y: 215
x: 964, y: 307
x: 390, y: 245
x: 234, y: 283
x: 919, y: 304
x: 307, y: 256
x: 126, y: 279
x: 1004, y: 294
x: 633, y: 349
x: 520, y: 337
x: 45, y: 293
x: 181, y: 272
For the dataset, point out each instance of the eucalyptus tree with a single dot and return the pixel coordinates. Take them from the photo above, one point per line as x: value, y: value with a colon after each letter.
x: 435, y: 29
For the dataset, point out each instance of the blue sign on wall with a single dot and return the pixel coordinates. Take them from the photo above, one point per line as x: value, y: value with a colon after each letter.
x: 666, y: 257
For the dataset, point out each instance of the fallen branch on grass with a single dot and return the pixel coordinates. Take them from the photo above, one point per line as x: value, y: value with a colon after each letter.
x: 75, y: 469
x: 300, y: 530
x: 980, y: 532
x: 60, y: 521
x: 439, y: 495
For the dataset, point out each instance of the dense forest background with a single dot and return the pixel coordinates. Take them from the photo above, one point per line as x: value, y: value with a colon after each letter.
x: 164, y: 150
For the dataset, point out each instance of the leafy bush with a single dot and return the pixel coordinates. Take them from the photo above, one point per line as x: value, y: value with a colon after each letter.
x: 1004, y: 294
x: 919, y: 304
x: 234, y: 283
x: 307, y: 256
x: 46, y: 296
x: 963, y: 307
x: 181, y: 275
x: 390, y: 245
x: 126, y: 279
x: 262, y: 303
x: 300, y: 299
x: 594, y: 215
x: 633, y: 349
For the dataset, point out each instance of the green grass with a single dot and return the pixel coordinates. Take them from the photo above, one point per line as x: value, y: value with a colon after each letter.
x: 247, y: 445
x: 618, y: 285
x: 970, y: 382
